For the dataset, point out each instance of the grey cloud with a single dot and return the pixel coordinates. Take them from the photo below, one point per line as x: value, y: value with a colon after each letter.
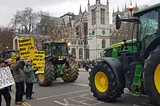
x: 56, y: 7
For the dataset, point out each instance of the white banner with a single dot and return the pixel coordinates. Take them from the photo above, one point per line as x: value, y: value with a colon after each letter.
x: 6, y: 78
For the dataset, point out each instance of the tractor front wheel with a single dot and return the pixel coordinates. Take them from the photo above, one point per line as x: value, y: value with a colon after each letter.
x: 103, y: 83
x: 70, y: 73
x: 46, y: 78
x: 152, y: 76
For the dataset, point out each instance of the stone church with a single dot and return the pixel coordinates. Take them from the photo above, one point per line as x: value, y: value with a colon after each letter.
x: 98, y: 28
x: 89, y: 31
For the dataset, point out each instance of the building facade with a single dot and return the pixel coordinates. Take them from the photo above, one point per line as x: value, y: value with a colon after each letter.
x: 88, y: 32
x: 98, y: 28
x: 125, y: 32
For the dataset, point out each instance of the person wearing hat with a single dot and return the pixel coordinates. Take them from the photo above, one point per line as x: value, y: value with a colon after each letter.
x: 19, y: 77
x: 4, y: 91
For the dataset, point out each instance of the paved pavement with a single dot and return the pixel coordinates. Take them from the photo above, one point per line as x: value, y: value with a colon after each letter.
x: 75, y: 94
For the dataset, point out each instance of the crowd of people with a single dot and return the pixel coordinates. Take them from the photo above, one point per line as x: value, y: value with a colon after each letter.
x: 24, y: 77
x: 86, y: 64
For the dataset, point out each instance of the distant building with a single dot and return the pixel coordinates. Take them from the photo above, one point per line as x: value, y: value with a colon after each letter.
x: 125, y: 32
x: 88, y: 32
x: 38, y: 40
x: 98, y: 28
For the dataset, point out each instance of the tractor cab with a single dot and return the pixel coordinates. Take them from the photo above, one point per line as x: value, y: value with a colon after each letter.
x: 147, y: 22
x: 8, y: 54
x: 56, y: 52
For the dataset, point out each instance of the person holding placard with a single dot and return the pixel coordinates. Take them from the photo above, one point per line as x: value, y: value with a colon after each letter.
x: 30, y: 79
x: 19, y: 77
x: 4, y: 91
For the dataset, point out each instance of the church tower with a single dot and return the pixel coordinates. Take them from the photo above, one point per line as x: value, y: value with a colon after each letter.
x: 98, y: 28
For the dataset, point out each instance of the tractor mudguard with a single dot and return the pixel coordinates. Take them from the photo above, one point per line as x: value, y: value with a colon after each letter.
x: 117, y: 68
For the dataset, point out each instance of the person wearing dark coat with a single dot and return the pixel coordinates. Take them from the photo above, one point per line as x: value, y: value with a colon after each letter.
x: 4, y: 91
x: 19, y: 77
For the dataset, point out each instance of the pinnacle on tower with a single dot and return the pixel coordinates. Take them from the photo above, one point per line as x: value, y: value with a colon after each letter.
x: 113, y: 10
x: 107, y: 2
x: 118, y: 8
x: 136, y: 5
x: 80, y: 10
x: 88, y: 3
x: 98, y: 2
x: 125, y: 6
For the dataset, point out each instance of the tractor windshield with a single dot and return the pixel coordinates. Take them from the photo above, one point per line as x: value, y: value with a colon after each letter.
x: 10, y: 53
x: 56, y: 49
x: 148, y: 27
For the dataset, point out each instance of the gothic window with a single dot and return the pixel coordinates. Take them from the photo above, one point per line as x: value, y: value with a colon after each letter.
x: 80, y: 53
x: 16, y: 44
x: 73, y: 51
x: 93, y: 17
x: 103, y: 43
x: 80, y: 42
x: 87, y: 53
x: 73, y: 42
x: 102, y: 16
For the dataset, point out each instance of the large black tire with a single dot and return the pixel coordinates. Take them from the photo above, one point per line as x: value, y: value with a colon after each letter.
x: 71, y: 73
x: 48, y: 75
x: 149, y: 69
x: 112, y: 92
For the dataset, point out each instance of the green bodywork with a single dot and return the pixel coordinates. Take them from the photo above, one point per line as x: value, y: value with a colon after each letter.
x: 57, y: 52
x: 113, y: 50
x: 148, y: 30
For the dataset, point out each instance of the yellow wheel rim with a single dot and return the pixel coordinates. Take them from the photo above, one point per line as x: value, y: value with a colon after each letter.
x: 41, y: 77
x: 101, y: 82
x: 157, y: 78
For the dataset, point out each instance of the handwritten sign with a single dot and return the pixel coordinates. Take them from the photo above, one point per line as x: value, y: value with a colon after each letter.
x: 6, y: 78
x: 39, y: 61
x: 14, y: 57
x: 26, y: 47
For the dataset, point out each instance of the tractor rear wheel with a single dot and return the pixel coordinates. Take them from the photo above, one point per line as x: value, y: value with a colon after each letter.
x: 71, y: 73
x: 103, y: 83
x: 47, y: 78
x: 152, y: 76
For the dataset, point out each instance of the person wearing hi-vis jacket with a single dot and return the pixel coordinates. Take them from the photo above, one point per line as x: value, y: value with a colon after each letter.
x: 30, y: 79
x: 4, y: 91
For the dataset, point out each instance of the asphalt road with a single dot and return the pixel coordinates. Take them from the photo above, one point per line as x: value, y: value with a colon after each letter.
x: 74, y: 94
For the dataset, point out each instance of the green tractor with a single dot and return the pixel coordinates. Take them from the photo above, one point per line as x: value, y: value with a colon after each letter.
x: 134, y: 65
x: 115, y: 49
x: 59, y: 64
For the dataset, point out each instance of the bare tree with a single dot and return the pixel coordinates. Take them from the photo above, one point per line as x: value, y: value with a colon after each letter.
x: 25, y: 21
x: 6, y: 36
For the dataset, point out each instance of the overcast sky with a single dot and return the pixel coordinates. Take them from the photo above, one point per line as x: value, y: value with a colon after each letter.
x: 56, y: 7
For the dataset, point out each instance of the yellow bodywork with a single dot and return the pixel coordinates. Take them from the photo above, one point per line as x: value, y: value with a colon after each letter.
x: 157, y: 78
x: 41, y: 77
x: 101, y: 82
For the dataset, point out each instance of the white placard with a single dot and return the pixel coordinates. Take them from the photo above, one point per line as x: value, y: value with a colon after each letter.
x: 6, y: 78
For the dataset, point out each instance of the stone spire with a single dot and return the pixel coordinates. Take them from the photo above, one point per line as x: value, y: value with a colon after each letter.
x: 113, y: 10
x: 107, y: 2
x: 88, y: 3
x: 118, y: 8
x: 136, y: 5
x: 80, y: 10
x: 125, y: 6
x: 98, y: 2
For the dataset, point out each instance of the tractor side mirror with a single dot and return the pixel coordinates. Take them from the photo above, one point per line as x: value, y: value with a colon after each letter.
x: 118, y: 22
